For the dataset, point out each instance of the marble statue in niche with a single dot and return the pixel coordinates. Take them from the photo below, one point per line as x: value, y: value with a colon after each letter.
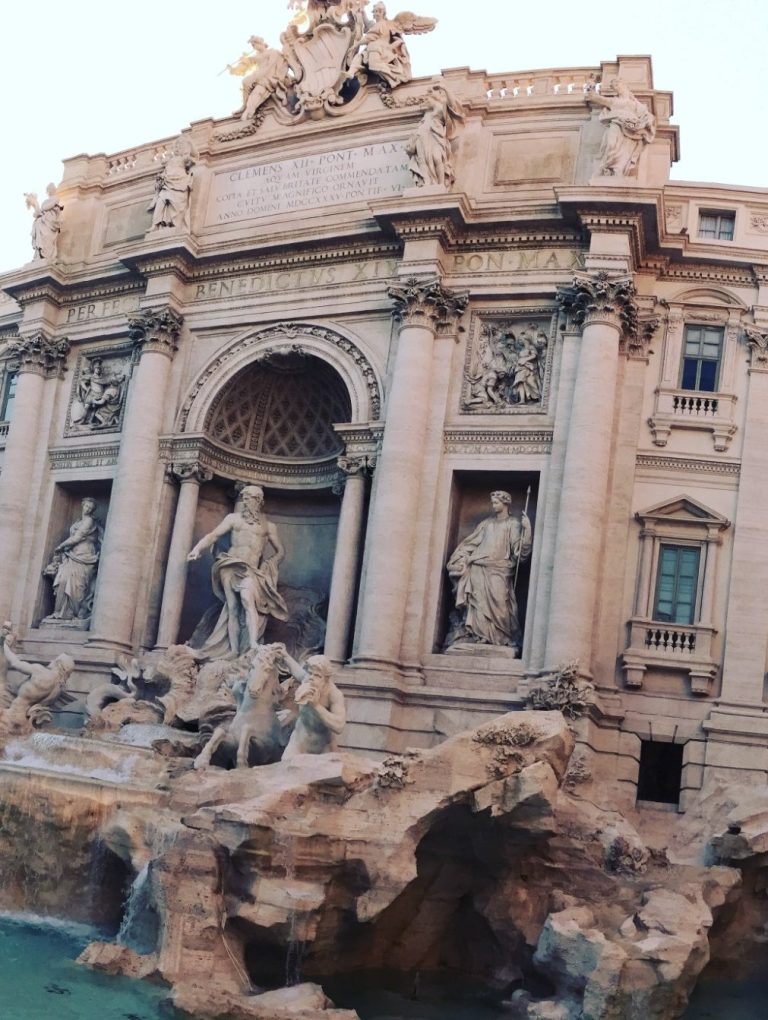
x: 244, y: 578
x: 173, y: 188
x: 100, y: 392
x: 630, y: 127
x: 73, y: 570
x: 321, y: 711
x: 506, y: 367
x: 385, y: 53
x: 484, y: 570
x: 430, y: 147
x: 46, y: 225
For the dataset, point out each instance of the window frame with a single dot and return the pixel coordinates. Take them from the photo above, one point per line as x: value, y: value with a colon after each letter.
x: 701, y: 563
x: 721, y: 216
x: 702, y: 359
x: 8, y: 393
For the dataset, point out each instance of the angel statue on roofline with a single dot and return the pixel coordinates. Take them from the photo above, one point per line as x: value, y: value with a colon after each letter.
x: 385, y: 53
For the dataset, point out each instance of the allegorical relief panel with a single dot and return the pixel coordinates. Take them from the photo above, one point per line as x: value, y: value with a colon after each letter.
x: 97, y: 403
x: 508, y: 362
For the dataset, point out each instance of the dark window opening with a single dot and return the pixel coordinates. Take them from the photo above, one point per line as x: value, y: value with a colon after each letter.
x: 661, y: 772
x: 8, y: 397
x: 702, y: 353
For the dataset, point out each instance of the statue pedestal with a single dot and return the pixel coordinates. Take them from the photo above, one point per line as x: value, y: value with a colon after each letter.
x: 53, y: 621
x: 478, y: 650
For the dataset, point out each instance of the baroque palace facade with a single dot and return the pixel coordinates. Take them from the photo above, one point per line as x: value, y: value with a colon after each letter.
x: 381, y: 312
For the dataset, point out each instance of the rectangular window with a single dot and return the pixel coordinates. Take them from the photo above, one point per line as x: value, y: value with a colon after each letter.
x: 717, y: 226
x: 8, y: 397
x: 661, y: 771
x: 677, y: 584
x: 702, y: 352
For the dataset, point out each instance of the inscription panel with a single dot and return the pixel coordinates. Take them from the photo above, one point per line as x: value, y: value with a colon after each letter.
x: 309, y: 182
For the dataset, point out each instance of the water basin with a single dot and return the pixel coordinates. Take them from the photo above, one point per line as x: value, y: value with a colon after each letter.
x: 734, y: 1000
x: 39, y: 979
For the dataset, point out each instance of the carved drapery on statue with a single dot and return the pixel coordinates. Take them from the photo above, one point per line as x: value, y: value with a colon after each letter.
x: 173, y: 188
x: 431, y: 145
x: 72, y: 571
x: 46, y: 225
x: 630, y: 126
x: 484, y: 571
x: 326, y: 50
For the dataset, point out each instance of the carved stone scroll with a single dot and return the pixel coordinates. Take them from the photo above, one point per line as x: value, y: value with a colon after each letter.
x: 420, y: 302
x: 156, y: 329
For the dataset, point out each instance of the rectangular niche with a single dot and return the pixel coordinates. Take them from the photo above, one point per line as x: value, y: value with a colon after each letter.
x: 470, y: 506
x: 508, y: 364
x: 307, y: 523
x: 66, y: 509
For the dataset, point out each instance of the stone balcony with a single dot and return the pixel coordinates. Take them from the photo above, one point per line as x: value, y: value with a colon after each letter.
x: 694, y: 409
x: 673, y: 646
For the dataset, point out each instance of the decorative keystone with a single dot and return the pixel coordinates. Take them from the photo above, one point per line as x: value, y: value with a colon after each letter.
x: 420, y: 302
x: 40, y: 354
x: 156, y: 330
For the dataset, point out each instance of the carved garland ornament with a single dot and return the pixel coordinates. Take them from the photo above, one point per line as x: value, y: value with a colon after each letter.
x: 420, y: 302
x: 156, y: 330
x: 39, y: 354
x: 600, y: 296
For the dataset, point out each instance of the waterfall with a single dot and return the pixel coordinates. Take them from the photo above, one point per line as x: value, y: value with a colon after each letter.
x: 296, y: 948
x: 135, y: 903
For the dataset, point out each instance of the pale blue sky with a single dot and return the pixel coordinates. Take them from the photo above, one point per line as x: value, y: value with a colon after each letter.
x: 86, y: 76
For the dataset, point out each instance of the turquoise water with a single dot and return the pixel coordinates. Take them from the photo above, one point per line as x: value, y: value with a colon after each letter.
x: 39, y: 979
x: 729, y: 1000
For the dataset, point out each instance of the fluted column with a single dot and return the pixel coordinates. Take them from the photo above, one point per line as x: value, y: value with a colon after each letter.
x: 746, y: 644
x: 40, y: 358
x: 347, y: 558
x: 190, y: 477
x: 605, y: 308
x: 424, y: 309
x: 128, y: 527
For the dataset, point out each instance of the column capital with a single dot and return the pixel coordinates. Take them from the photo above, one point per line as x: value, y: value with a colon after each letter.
x: 189, y: 471
x: 601, y: 297
x: 425, y: 302
x: 357, y: 466
x: 637, y: 345
x: 757, y: 342
x: 156, y: 329
x: 40, y: 354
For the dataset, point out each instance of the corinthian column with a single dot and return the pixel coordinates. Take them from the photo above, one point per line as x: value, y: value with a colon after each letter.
x: 40, y: 358
x: 128, y: 526
x: 605, y: 309
x: 424, y: 309
x: 190, y: 478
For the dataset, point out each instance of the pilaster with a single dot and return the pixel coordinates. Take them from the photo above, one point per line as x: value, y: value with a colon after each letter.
x: 424, y: 309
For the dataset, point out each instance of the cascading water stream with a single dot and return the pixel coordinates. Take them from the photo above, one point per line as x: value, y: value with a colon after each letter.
x: 135, y: 903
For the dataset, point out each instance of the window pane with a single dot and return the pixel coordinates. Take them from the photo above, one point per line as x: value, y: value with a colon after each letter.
x: 703, y: 346
x: 707, y: 376
x: 726, y: 230
x: 689, y: 374
x: 677, y: 583
x: 708, y: 226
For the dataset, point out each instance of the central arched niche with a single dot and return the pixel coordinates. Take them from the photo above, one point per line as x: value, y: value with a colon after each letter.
x: 277, y: 414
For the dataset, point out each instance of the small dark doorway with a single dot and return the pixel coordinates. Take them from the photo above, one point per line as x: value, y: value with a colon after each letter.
x: 661, y: 770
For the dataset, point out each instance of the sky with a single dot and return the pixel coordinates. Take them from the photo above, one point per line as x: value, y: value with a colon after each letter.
x: 91, y: 77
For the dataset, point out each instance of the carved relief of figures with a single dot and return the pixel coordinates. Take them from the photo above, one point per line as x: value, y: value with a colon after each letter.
x: 385, y: 53
x: 99, y: 391
x: 46, y: 225
x: 484, y: 570
x: 431, y: 145
x: 506, y: 367
x: 630, y: 127
x: 73, y: 570
x: 244, y: 578
x: 173, y: 188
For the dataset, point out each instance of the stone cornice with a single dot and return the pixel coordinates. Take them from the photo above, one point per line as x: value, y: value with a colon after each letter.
x: 156, y: 330
x: 420, y: 302
x: 497, y: 441
x: 40, y: 354
x: 600, y: 297
x: 698, y: 465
